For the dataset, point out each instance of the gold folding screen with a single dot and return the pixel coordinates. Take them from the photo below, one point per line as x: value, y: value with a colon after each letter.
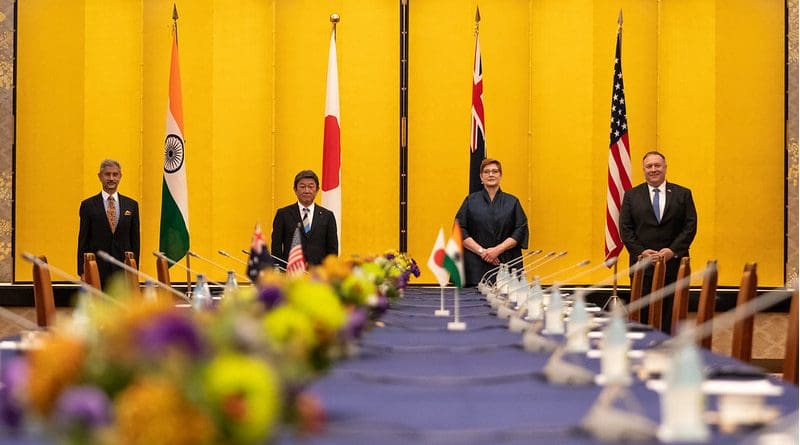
x: 92, y: 81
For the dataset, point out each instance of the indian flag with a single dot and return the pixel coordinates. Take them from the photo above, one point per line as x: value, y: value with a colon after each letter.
x: 454, y: 257
x: 174, y: 238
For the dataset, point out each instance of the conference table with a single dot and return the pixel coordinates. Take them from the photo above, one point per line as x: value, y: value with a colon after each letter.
x: 415, y: 382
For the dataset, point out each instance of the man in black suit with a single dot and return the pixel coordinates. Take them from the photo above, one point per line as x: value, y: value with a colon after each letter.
x: 317, y: 224
x: 658, y: 219
x: 109, y: 222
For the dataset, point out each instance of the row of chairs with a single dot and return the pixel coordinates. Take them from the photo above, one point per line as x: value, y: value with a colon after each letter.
x: 742, y: 330
x: 44, y: 300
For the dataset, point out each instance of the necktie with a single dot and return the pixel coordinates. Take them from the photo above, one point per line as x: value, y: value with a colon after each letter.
x: 657, y: 204
x: 306, y: 223
x: 111, y: 213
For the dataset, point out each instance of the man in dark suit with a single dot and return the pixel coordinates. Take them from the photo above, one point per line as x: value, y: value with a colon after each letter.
x: 109, y: 222
x: 658, y: 219
x: 317, y: 224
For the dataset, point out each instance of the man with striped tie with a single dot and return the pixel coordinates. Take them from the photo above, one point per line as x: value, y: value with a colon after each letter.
x: 316, y: 224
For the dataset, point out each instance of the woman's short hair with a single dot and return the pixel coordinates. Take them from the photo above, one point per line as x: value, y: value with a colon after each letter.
x: 488, y: 161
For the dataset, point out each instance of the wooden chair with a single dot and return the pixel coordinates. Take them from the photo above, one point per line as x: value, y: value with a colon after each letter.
x: 162, y: 269
x: 708, y: 300
x: 680, y: 304
x: 743, y: 329
x: 790, y: 359
x: 132, y: 278
x: 659, y: 273
x: 636, y: 288
x: 91, y: 274
x: 43, y: 295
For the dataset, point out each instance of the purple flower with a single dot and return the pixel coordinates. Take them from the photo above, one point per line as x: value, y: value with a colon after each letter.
x: 380, y: 306
x: 355, y: 324
x: 389, y: 256
x: 402, y: 280
x: 166, y: 331
x: 271, y: 296
x: 82, y: 406
x: 415, y: 268
x: 13, y: 378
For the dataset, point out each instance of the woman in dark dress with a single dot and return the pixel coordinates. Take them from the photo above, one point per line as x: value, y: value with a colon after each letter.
x: 493, y: 224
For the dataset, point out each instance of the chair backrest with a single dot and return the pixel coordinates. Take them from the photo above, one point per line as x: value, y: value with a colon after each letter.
x: 790, y: 359
x: 680, y: 305
x: 743, y: 329
x: 659, y: 273
x: 43, y: 295
x: 162, y: 267
x: 91, y: 274
x: 132, y: 277
x: 708, y: 300
x: 636, y: 289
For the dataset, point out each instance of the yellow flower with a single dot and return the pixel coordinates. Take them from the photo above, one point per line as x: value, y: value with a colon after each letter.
x: 319, y: 302
x: 245, y: 394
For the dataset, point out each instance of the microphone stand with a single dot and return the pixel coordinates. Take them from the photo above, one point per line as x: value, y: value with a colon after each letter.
x: 227, y: 255
x: 282, y: 269
x: 111, y: 259
x: 493, y: 271
x: 189, y: 271
x: 216, y: 265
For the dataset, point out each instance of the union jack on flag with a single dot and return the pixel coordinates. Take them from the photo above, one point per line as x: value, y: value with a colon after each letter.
x: 477, y: 144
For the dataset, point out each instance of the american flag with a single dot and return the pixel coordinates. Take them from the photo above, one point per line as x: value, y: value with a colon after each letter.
x: 477, y: 145
x: 296, y: 264
x: 619, y: 158
x: 259, y: 255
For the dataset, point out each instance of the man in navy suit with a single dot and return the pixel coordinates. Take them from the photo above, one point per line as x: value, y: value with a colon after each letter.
x: 658, y: 219
x: 317, y: 224
x: 109, y: 222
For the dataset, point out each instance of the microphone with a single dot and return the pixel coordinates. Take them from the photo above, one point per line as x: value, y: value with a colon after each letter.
x: 104, y: 255
x: 227, y: 255
x: 503, y: 267
x: 493, y: 271
x: 72, y: 279
x: 170, y: 261
x: 542, y: 261
x: 273, y: 257
x: 191, y: 253
x: 535, y: 265
x: 574, y: 266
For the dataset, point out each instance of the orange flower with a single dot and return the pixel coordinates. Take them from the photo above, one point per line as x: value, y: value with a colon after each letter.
x: 52, y: 368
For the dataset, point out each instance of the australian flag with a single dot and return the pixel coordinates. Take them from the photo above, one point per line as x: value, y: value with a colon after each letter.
x: 259, y: 255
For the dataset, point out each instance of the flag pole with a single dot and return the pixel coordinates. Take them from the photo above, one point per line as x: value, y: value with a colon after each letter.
x: 188, y: 266
x: 441, y: 312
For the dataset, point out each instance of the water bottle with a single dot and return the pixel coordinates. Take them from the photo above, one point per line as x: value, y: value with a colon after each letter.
x: 201, y: 298
x: 230, y: 285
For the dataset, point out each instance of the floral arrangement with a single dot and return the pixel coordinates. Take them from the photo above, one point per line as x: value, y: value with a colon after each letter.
x: 143, y: 371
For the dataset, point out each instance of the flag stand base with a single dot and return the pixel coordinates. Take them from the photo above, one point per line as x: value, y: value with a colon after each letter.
x: 441, y: 313
x: 615, y: 302
x: 456, y: 326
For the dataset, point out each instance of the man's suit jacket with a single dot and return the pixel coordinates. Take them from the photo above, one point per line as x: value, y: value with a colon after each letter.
x: 318, y: 243
x: 95, y: 232
x: 640, y: 230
